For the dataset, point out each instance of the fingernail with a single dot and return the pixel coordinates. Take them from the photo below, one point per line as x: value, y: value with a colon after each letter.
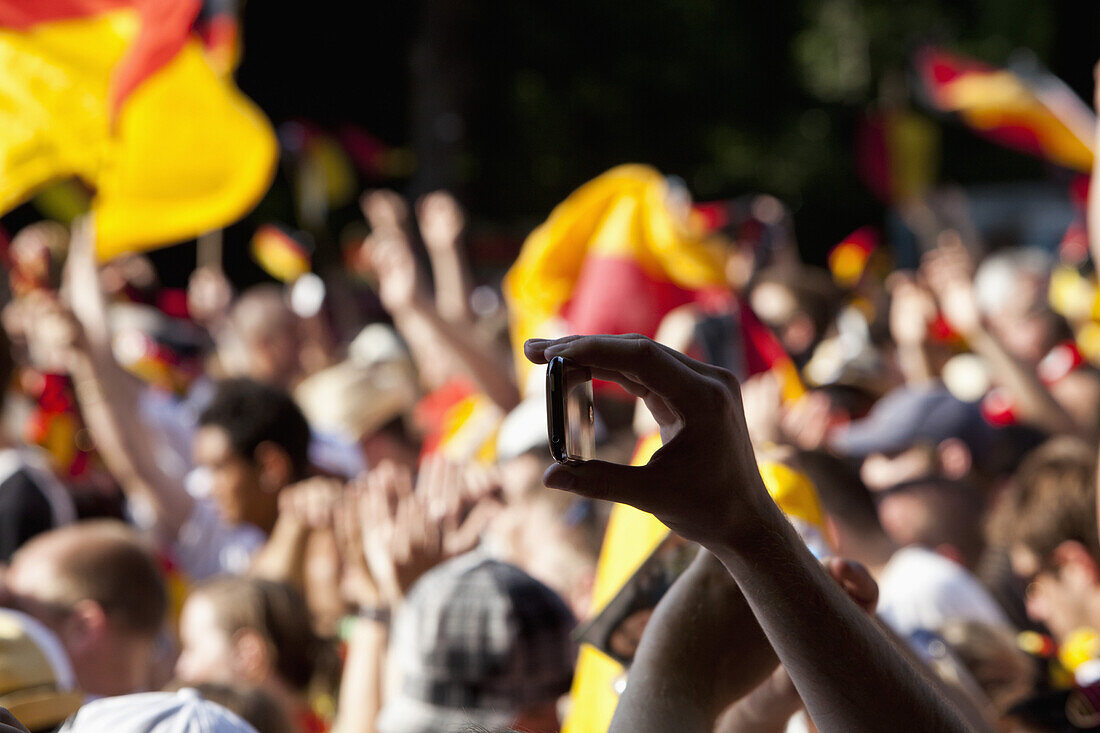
x: 536, y: 342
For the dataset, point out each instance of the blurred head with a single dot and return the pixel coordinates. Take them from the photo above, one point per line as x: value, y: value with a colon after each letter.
x: 252, y: 704
x: 480, y: 642
x: 263, y: 340
x: 1003, y: 672
x: 246, y: 630
x: 1011, y: 287
x: 798, y: 303
x: 253, y: 440
x: 851, y: 516
x: 1047, y: 521
x: 942, y: 516
x: 98, y: 588
x: 916, y: 433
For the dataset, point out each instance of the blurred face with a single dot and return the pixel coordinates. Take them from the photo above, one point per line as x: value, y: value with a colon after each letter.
x: 273, y: 354
x: 1027, y: 337
x: 885, y: 470
x: 234, y: 482
x: 206, y: 653
x: 1056, y: 596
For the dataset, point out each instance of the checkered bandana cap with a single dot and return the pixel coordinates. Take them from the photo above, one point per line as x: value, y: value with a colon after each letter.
x: 480, y: 636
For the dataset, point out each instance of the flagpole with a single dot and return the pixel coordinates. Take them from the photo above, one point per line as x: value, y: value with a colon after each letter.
x: 208, y: 250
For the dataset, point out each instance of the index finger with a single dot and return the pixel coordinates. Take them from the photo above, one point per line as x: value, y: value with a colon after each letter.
x: 640, y: 359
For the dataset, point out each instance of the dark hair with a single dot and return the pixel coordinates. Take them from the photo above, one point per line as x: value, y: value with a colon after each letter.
x: 952, y: 515
x: 844, y: 496
x: 277, y: 612
x: 252, y: 413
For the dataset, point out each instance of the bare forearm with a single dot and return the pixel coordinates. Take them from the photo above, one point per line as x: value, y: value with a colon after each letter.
x: 452, y: 284
x: 496, y: 382
x: 282, y: 558
x: 110, y: 409
x: 767, y: 709
x: 702, y: 649
x: 1037, y: 405
x: 849, y: 675
x: 361, y: 684
x: 914, y: 363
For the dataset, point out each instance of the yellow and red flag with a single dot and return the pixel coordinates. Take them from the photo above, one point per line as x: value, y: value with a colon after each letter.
x: 1039, y: 116
x: 280, y: 254
x: 897, y: 153
x: 613, y: 257
x: 120, y: 94
x: 848, y: 259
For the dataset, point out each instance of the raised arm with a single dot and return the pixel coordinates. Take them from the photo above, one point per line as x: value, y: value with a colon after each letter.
x: 947, y: 270
x: 388, y: 253
x: 441, y: 223
x: 108, y: 396
x: 704, y: 485
x: 701, y: 650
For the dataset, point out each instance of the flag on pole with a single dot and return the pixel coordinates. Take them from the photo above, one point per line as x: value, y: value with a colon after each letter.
x: 612, y: 258
x: 848, y: 259
x: 120, y: 94
x: 280, y: 254
x: 1034, y: 112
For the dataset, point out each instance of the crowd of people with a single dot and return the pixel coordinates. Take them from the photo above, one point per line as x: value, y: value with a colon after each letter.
x: 233, y: 511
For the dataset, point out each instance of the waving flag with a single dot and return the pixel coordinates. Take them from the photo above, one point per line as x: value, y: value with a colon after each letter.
x: 1036, y: 113
x: 611, y: 258
x: 120, y: 94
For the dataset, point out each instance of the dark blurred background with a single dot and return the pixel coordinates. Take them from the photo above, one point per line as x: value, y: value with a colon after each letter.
x: 514, y: 104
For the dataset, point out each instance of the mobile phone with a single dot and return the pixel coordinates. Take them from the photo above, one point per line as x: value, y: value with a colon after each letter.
x: 570, y: 420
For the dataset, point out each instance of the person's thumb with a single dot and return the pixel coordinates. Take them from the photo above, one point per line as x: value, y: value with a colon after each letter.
x: 599, y: 480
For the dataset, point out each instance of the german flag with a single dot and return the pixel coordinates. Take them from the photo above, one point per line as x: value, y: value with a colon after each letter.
x: 120, y: 94
x: 611, y: 258
x: 279, y: 253
x: 848, y: 260
x: 1037, y: 115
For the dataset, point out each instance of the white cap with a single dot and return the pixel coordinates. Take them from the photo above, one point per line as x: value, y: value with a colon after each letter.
x: 184, y: 711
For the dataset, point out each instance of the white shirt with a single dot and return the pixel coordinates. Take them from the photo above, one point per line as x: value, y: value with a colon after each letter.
x: 919, y: 589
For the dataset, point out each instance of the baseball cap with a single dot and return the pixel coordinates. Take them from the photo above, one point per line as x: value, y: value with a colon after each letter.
x: 476, y: 642
x: 910, y: 415
x: 183, y: 711
x: 37, y: 684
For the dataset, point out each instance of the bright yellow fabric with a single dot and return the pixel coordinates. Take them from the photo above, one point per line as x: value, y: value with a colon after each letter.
x: 793, y: 492
x: 624, y: 213
x: 188, y: 152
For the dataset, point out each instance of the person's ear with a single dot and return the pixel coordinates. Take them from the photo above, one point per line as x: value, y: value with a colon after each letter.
x: 251, y: 656
x: 84, y: 627
x: 955, y: 459
x: 273, y: 466
x: 1076, y: 564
